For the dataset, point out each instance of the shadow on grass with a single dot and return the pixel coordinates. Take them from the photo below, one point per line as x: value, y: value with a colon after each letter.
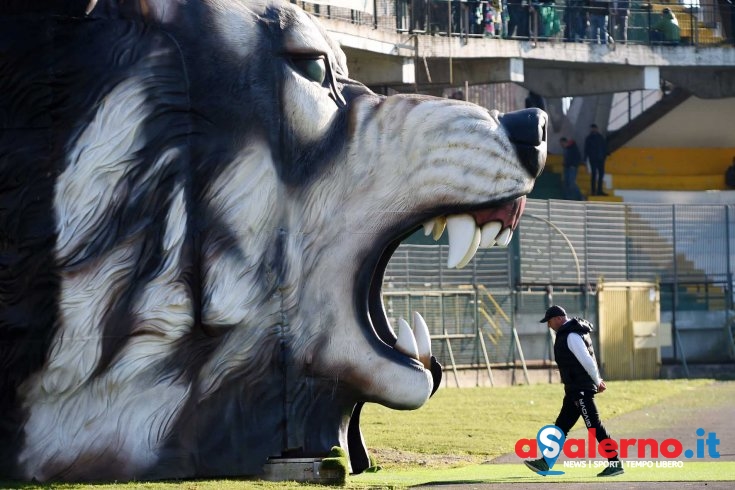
x: 482, y: 481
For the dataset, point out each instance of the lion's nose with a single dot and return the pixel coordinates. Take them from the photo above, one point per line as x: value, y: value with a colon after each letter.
x: 527, y: 131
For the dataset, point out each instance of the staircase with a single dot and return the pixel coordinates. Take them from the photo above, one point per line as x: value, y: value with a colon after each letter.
x: 661, y: 169
x: 617, y: 139
x: 549, y: 183
x: 585, y: 185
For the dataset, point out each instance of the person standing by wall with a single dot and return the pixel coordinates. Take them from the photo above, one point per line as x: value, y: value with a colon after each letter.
x: 575, y: 21
x: 595, y: 151
x: 730, y: 175
x: 572, y: 159
x: 518, y: 18
x: 580, y: 375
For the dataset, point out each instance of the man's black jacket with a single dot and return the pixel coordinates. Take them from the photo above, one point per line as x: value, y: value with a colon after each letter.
x: 573, y: 374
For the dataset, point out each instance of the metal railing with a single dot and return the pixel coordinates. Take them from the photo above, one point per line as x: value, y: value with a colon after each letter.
x: 626, y: 106
x: 699, y: 24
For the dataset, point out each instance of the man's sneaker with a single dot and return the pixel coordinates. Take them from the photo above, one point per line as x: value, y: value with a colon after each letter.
x: 614, y: 469
x: 537, y: 465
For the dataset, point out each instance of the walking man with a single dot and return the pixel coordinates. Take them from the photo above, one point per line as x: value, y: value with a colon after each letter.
x: 577, y: 364
x: 595, y: 150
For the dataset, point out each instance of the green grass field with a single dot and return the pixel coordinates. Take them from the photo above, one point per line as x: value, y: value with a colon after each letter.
x: 478, y: 424
x: 454, y: 436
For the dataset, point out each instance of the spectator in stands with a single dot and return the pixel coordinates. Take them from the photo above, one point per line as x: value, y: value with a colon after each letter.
x: 517, y: 18
x: 599, y: 10
x: 666, y: 30
x: 575, y: 21
x: 418, y: 15
x: 595, y: 151
x: 730, y: 175
x: 457, y: 21
x: 620, y: 14
x: 498, y: 17
x: 489, y: 20
x: 474, y: 13
x: 548, y: 23
x: 727, y: 11
x: 439, y: 17
x: 572, y: 159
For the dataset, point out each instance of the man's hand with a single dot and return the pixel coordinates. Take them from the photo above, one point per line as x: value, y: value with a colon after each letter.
x: 602, y: 386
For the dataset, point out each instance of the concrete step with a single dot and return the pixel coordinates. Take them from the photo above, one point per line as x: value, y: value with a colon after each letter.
x: 608, y: 198
x: 669, y: 182
x: 300, y: 470
x: 664, y: 162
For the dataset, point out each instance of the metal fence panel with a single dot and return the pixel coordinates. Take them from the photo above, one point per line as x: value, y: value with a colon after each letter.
x: 702, y: 259
x: 650, y: 242
x: 567, y: 242
x: 417, y: 267
x: 606, y: 242
x: 549, y: 250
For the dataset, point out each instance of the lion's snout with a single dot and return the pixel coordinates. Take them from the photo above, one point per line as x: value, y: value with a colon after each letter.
x: 526, y: 129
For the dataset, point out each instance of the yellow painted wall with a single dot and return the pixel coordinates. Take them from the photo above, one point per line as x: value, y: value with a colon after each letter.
x: 674, y: 169
x: 670, y: 161
x: 683, y: 169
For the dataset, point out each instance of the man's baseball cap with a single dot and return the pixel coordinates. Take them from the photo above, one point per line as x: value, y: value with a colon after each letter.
x: 552, y: 312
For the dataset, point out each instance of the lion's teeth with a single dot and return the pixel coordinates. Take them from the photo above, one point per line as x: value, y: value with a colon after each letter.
x: 423, y: 339
x: 504, y: 237
x: 490, y: 233
x: 439, y: 224
x: 406, y: 342
x: 435, y: 227
x: 464, y: 238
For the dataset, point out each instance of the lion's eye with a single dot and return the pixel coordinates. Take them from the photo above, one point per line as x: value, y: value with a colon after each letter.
x: 312, y: 68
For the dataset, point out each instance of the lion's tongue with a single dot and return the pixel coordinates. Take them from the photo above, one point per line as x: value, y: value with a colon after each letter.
x: 483, y: 228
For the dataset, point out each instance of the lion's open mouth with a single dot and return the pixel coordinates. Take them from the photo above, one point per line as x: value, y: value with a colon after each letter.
x: 467, y: 231
x: 403, y: 374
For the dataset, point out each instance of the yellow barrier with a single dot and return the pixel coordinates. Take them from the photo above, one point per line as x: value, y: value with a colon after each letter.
x: 670, y: 161
x: 669, y: 182
x: 675, y: 169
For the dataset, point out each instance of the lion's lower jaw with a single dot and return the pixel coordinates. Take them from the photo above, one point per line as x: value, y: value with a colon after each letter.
x: 408, y: 392
x: 405, y: 385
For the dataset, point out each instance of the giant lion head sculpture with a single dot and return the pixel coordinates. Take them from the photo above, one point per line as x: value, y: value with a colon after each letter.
x: 197, y: 209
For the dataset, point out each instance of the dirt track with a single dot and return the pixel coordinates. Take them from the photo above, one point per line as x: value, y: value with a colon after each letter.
x: 711, y: 408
